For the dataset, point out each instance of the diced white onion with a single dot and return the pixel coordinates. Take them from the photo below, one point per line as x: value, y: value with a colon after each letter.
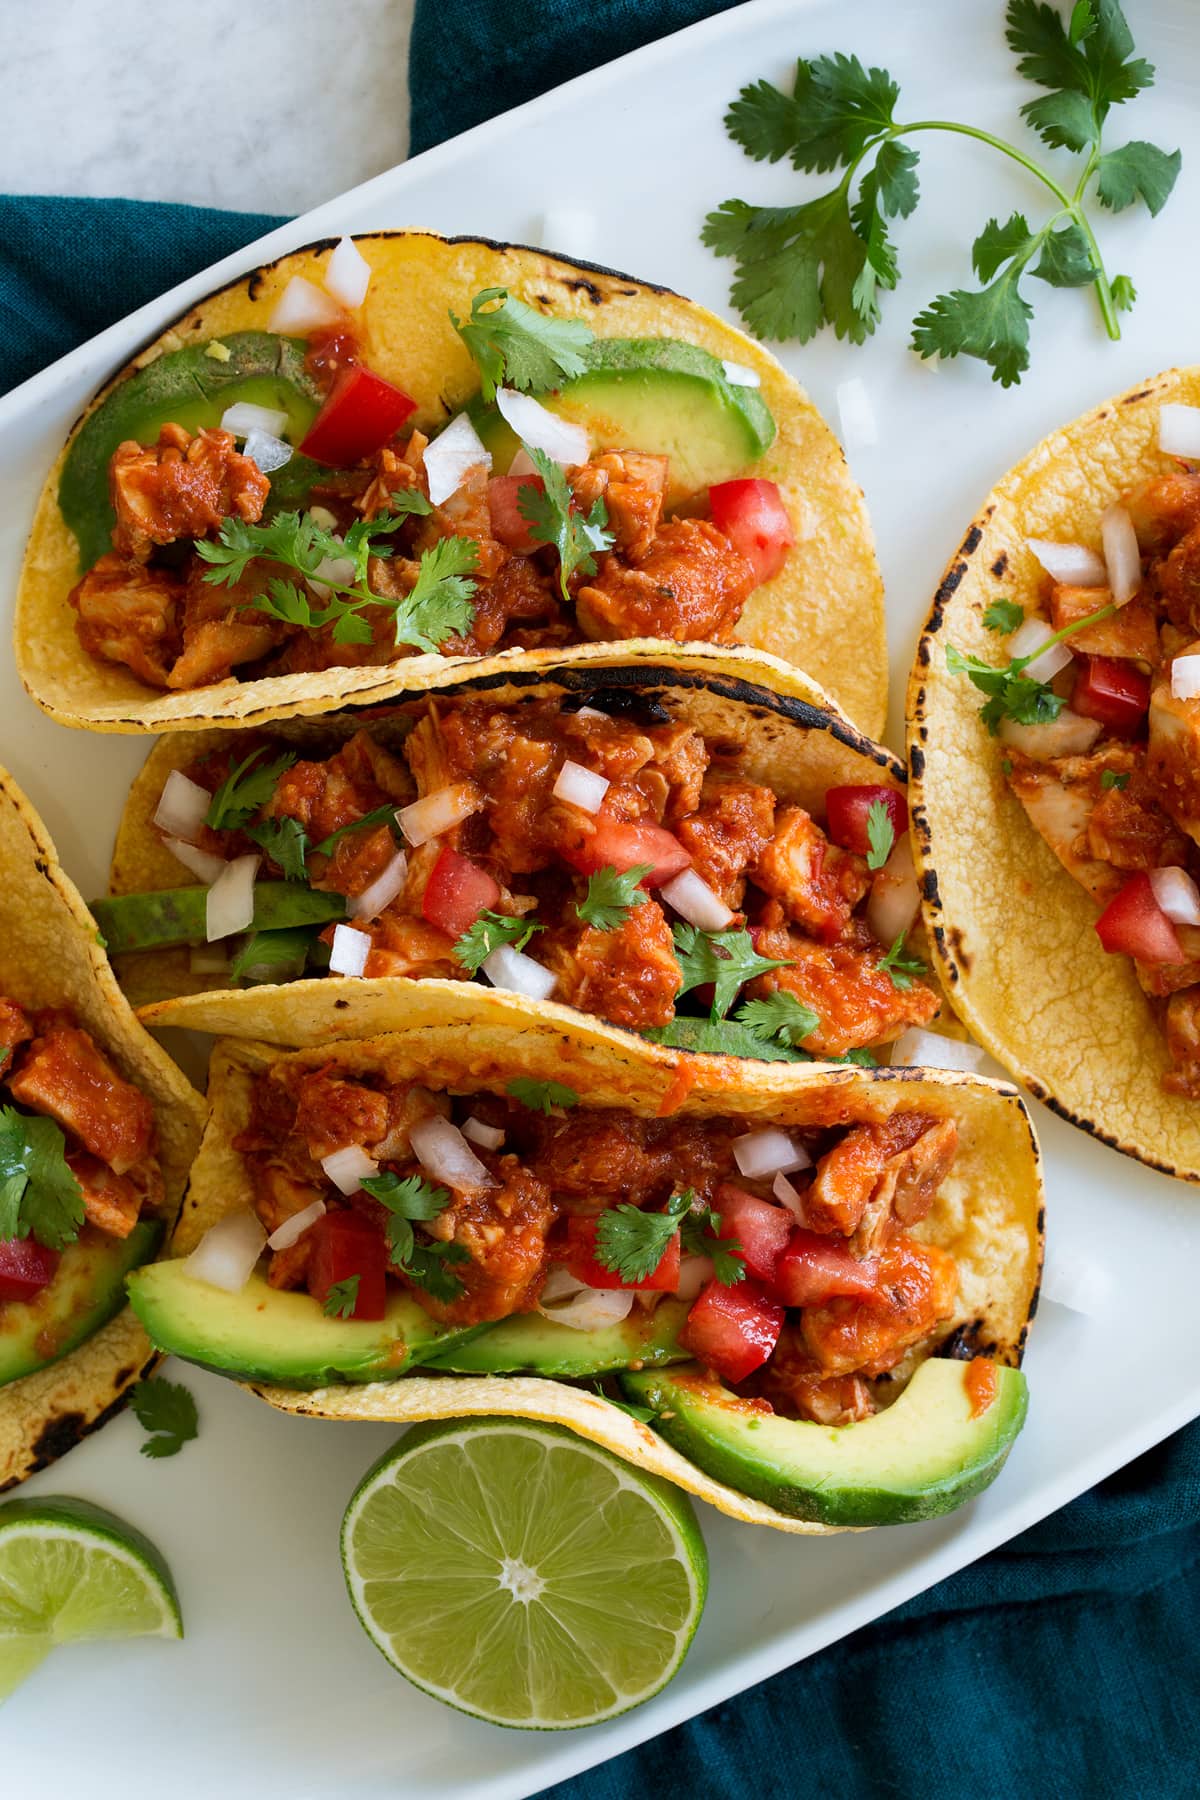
x: 348, y: 274
x: 438, y: 812
x: 321, y: 515
x: 769, y: 1152
x: 518, y: 974
x: 447, y: 459
x: 266, y: 452
x: 1068, y: 735
x: 382, y: 891
x: 694, y: 900
x: 182, y: 807
x: 738, y: 375
x: 1122, y: 557
x: 590, y: 1309
x: 895, y: 894
x: 1077, y: 1283
x: 857, y: 415
x: 339, y: 569
x: 302, y: 308
x: 349, y: 1167
x: 488, y: 1137
x: 562, y: 441
x: 1185, y: 677
x: 204, y: 961
x: 226, y: 1254
x: 1073, y: 564
x: 694, y: 1271
x: 569, y: 230
x: 293, y: 1229
x: 243, y: 417
x: 203, y: 864
x: 1025, y: 641
x: 915, y: 1049
x: 1179, y: 429
x: 441, y: 1148
x: 522, y: 463
x: 581, y: 787
x: 560, y: 1284
x: 791, y: 1197
x: 591, y: 712
x: 1177, y: 894
x: 230, y: 903
x: 349, y: 952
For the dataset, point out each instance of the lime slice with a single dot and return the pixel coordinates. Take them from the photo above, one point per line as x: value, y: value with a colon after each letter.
x: 523, y: 1574
x: 69, y: 1571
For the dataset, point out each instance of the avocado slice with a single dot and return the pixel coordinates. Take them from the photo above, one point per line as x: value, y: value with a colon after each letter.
x: 529, y: 1343
x: 657, y: 395
x: 88, y: 1289
x: 921, y: 1456
x: 171, y: 917
x: 265, y: 1334
x: 189, y: 388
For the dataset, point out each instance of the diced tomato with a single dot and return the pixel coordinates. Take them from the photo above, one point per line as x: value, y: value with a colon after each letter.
x: 813, y: 1269
x: 581, y: 1261
x: 26, y: 1267
x: 759, y: 1228
x: 1112, y: 690
x: 1134, y: 924
x: 623, y: 843
x: 733, y: 1329
x: 346, y: 1244
x: 457, y: 891
x: 509, y: 523
x: 753, y: 517
x: 846, y: 810
x: 362, y: 412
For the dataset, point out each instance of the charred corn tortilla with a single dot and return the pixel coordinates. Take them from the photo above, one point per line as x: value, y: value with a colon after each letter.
x: 824, y: 611
x: 1012, y: 932
x: 49, y: 956
x: 988, y: 1213
x: 793, y: 743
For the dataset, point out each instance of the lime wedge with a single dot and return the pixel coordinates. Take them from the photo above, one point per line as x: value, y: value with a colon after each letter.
x: 69, y: 1571
x: 523, y: 1574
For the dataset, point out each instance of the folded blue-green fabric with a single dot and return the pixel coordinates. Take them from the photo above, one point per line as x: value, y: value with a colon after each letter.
x: 1063, y: 1667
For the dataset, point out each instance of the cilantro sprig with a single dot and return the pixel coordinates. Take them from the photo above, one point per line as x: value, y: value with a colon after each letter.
x: 612, y: 895
x: 701, y: 1236
x: 553, y: 518
x: 881, y: 834
x: 779, y: 1016
x: 541, y: 1096
x: 901, y: 970
x: 409, y: 1199
x: 1004, y: 616
x: 1114, y: 778
x: 245, y: 789
x: 1011, y: 694
x: 342, y: 1298
x: 39, y: 1195
x: 515, y: 346
x: 380, y: 815
x: 727, y: 959
x: 286, y: 843
x: 631, y: 1242
x: 828, y: 260
x: 488, y: 933
x: 167, y: 1409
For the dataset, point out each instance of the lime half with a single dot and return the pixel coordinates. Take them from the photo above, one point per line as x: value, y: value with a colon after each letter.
x: 69, y: 1571
x: 523, y: 1574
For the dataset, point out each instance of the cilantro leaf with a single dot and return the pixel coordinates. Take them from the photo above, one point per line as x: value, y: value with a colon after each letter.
x: 541, y: 1096
x: 643, y: 1414
x: 721, y: 1037
x: 408, y: 1198
x: 380, y: 815
x: 1114, y: 778
x: 285, y: 842
x: 631, y: 1243
x: 488, y: 933
x: 1066, y: 260
x: 1011, y: 695
x: 427, y: 1266
x: 552, y: 519
x: 273, y: 956
x: 439, y: 603
x: 292, y: 538
x: 1124, y: 293
x: 612, y: 895
x: 901, y: 969
x: 701, y: 1236
x: 515, y: 346
x: 245, y: 789
x: 835, y: 108
x: 727, y: 959
x: 798, y: 267
x: 1004, y: 616
x: 39, y: 1195
x: 167, y: 1409
x: 993, y: 322
x: 780, y: 1015
x: 1088, y: 65
x: 1137, y: 171
x: 342, y: 1298
x: 881, y: 834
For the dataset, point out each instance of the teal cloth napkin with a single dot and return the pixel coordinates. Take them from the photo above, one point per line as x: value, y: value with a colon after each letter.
x: 1065, y: 1665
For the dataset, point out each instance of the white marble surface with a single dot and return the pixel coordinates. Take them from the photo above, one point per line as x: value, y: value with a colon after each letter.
x: 233, y: 103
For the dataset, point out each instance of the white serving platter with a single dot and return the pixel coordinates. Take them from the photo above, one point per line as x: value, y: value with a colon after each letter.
x: 275, y: 1693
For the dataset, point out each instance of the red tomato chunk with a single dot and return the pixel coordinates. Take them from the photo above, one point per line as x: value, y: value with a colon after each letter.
x: 813, y: 1269
x: 509, y: 524
x: 26, y: 1267
x: 753, y: 517
x: 362, y: 412
x: 346, y: 1244
x: 733, y: 1329
x: 1134, y: 924
x: 582, y: 1263
x: 624, y: 843
x: 760, y: 1229
x: 846, y: 810
x: 1113, y: 691
x: 457, y: 891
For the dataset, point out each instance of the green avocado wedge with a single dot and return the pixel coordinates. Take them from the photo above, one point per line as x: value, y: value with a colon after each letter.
x: 88, y: 1290
x: 284, y: 1339
x: 532, y: 1345
x: 171, y: 917
x: 191, y: 388
x: 921, y: 1456
x: 656, y: 395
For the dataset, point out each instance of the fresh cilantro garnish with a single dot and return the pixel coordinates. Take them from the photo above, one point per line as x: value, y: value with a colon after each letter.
x: 541, y: 1096
x: 780, y: 1015
x: 631, y: 1243
x: 245, y: 789
x: 514, y: 346
x: 1004, y: 616
x: 828, y: 260
x: 273, y: 956
x: 1114, y: 778
x: 861, y: 1059
x: 901, y: 968
x: 552, y: 518
x: 39, y: 1195
x: 643, y: 1414
x: 285, y: 842
x: 408, y: 1198
x: 342, y: 1298
x: 167, y: 1409
x: 1011, y: 693
x: 1006, y: 765
x: 701, y: 1236
x: 881, y: 834
x: 380, y: 815
x: 612, y: 895
x: 427, y: 1266
x: 439, y: 605
x: 727, y: 959
x: 488, y: 933
x: 721, y: 1037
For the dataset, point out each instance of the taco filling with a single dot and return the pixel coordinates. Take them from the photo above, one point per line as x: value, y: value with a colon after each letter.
x: 620, y: 865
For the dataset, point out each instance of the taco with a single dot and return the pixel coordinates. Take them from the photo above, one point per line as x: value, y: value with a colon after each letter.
x: 812, y: 1284
x: 1057, y: 823
x: 354, y: 470
x: 97, y: 1132
x: 643, y: 846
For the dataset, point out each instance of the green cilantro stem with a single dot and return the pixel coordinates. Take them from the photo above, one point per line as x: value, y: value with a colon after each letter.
x: 1103, y: 612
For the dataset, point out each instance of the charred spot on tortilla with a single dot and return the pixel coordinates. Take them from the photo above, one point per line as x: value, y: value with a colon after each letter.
x: 1131, y: 399
x: 628, y: 703
x: 916, y: 760
x: 1000, y: 564
x: 962, y: 955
